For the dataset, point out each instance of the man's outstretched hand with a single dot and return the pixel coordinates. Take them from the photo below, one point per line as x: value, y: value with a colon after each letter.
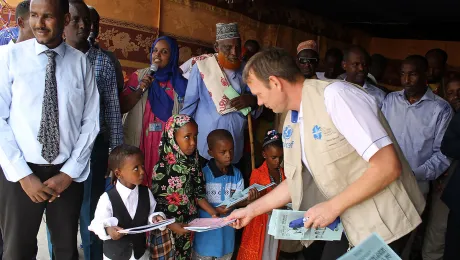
x: 243, y: 216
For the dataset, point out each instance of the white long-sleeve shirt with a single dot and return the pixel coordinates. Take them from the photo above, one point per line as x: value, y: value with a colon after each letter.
x: 22, y: 86
x: 355, y: 114
x: 103, y: 217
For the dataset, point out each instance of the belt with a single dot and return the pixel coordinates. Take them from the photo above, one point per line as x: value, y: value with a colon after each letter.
x: 46, y: 165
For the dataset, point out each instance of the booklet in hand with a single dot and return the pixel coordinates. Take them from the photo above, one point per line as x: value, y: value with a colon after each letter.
x: 147, y: 228
x: 207, y: 224
x: 231, y: 93
x: 279, y: 227
x: 373, y: 248
x: 237, y: 197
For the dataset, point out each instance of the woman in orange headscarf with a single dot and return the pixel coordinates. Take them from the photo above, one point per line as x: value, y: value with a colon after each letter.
x: 256, y: 244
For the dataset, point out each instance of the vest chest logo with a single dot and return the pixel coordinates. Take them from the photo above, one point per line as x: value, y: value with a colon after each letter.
x: 287, y: 134
x: 317, y: 133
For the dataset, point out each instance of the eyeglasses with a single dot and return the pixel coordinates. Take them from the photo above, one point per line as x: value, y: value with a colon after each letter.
x: 304, y: 60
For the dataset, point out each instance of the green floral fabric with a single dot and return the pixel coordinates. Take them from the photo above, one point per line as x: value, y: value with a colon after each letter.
x: 177, y: 183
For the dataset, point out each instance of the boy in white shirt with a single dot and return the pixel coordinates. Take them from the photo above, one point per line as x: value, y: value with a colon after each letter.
x: 128, y: 205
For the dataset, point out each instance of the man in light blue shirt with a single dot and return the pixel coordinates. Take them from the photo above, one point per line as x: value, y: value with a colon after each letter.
x: 199, y: 104
x: 49, y: 119
x: 25, y: 33
x: 356, y: 63
x: 419, y: 119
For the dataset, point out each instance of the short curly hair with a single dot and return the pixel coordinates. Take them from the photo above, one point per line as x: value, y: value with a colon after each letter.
x: 120, y: 153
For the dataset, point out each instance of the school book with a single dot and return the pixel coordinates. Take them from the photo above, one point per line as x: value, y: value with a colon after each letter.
x: 373, y: 248
x: 237, y: 197
x: 207, y: 224
x: 231, y: 93
x: 280, y: 229
x: 147, y: 228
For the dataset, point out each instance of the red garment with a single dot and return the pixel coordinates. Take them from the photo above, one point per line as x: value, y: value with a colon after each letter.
x: 150, y: 140
x: 252, y: 243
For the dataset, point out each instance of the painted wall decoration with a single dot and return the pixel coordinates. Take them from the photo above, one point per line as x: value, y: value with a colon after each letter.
x: 129, y: 41
x: 129, y: 27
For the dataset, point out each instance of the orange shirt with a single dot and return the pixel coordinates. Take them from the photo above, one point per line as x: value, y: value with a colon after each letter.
x: 252, y: 243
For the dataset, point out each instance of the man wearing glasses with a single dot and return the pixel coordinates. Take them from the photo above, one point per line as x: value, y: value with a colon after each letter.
x: 307, y: 61
x: 308, y: 58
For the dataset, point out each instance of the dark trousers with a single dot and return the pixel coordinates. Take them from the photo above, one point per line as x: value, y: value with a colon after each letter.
x: 20, y: 218
x: 312, y: 252
x: 335, y: 249
x: 452, y: 248
x: 1, y: 245
x: 94, y: 187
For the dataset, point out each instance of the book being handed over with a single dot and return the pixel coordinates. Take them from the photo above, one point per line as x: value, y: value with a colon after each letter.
x: 207, y: 224
x: 238, y: 197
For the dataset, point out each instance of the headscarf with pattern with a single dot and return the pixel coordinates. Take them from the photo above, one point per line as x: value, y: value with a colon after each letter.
x: 169, y: 151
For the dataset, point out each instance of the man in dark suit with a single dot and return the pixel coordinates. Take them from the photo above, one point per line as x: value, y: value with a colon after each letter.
x: 451, y: 147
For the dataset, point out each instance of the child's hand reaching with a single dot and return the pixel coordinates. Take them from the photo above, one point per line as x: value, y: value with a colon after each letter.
x: 178, y: 228
x: 157, y: 219
x: 253, y: 194
x: 113, y: 232
x: 223, y: 210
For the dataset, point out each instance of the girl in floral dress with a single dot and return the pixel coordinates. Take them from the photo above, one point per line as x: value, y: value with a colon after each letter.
x: 177, y: 181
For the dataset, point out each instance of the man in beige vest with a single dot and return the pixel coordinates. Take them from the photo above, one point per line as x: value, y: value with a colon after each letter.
x: 341, y: 158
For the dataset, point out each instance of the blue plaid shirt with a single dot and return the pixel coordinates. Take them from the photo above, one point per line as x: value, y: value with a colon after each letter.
x: 106, y: 80
x: 7, y: 34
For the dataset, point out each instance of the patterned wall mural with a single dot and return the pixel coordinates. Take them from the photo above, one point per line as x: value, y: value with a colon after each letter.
x: 130, y: 42
x: 129, y: 27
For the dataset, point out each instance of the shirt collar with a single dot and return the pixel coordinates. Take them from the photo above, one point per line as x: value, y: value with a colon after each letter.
x: 366, y: 85
x: 297, y: 115
x: 40, y: 48
x: 300, y: 112
x: 429, y: 95
x: 231, y: 73
x: 125, y: 191
x: 216, y: 172
x: 92, y: 52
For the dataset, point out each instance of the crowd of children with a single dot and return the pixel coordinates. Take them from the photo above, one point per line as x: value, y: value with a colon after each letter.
x: 181, y: 189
